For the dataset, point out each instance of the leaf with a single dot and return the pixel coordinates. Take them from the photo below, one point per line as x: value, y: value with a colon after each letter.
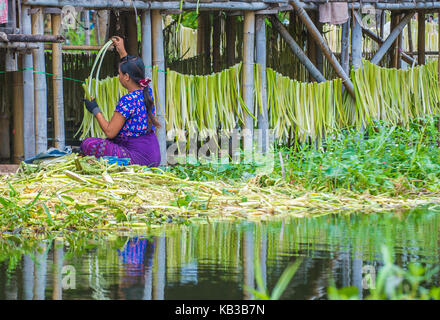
x: 285, y: 278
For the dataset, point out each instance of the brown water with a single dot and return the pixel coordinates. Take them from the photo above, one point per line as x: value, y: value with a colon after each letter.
x: 217, y: 260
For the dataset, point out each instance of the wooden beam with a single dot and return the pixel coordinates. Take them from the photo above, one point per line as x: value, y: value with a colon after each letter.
x: 405, y: 57
x: 391, y: 38
x: 324, y: 46
x: 296, y: 49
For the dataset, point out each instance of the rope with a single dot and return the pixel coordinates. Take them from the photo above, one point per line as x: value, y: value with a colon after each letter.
x: 46, y: 73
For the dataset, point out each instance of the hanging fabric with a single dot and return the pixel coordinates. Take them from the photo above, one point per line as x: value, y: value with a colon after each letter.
x: 3, y: 11
x: 333, y: 12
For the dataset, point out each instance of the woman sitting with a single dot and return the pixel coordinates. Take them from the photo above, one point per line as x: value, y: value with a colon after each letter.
x: 131, y: 131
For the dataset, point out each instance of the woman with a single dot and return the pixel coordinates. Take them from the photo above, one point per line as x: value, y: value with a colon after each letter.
x: 130, y: 132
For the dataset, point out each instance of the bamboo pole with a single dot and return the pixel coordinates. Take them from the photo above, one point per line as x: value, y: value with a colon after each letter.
x: 40, y: 86
x: 17, y: 115
x: 406, y: 57
x: 394, y: 24
x: 31, y: 38
x: 248, y: 263
x: 86, y: 14
x: 345, y: 53
x: 103, y: 24
x: 263, y: 118
x: 296, y: 49
x: 391, y: 38
x: 57, y: 83
x: 421, y: 37
x: 323, y: 45
x: 40, y: 271
x: 248, y: 79
x: 410, y: 39
x: 159, y: 60
x: 159, y: 263
x: 58, y: 256
x: 28, y: 93
x: 146, y: 42
x: 356, y: 44
x: 28, y: 277
x: 399, y: 47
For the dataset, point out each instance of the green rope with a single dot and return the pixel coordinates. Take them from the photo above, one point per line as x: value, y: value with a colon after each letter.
x: 46, y: 73
x: 53, y: 75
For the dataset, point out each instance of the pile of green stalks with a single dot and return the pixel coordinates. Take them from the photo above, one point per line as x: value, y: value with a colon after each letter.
x: 310, y: 110
x: 394, y: 96
x: 83, y: 193
x: 204, y: 103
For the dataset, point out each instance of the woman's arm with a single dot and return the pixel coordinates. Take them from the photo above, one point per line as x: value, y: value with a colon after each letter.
x: 112, y: 128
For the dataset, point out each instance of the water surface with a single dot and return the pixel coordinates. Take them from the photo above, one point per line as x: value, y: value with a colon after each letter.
x: 216, y: 260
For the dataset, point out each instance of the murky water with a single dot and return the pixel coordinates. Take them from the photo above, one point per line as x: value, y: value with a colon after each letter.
x: 216, y: 260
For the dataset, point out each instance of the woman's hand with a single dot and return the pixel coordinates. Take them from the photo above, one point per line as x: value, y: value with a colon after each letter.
x: 118, y: 42
x: 92, y: 106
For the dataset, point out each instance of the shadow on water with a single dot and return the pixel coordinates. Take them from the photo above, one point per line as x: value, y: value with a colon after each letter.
x: 216, y: 260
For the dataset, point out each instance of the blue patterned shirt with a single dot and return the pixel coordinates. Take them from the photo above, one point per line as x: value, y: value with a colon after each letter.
x: 132, y: 107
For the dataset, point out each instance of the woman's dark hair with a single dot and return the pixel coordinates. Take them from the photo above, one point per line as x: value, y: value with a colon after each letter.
x: 135, y: 68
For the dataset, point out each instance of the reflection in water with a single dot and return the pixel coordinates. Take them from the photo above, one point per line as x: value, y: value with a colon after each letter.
x: 216, y: 260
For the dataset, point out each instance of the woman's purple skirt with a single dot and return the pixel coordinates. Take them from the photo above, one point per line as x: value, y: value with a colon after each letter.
x: 143, y: 150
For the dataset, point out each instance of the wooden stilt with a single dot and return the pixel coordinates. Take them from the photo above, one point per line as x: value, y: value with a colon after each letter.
x: 263, y: 118
x: 159, y: 60
x: 40, y: 86
x: 86, y: 14
x: 356, y: 44
x: 248, y: 79
x: 345, y: 48
x: 28, y: 94
x: 146, y: 42
x: 57, y: 82
x: 17, y: 115
x: 421, y: 37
